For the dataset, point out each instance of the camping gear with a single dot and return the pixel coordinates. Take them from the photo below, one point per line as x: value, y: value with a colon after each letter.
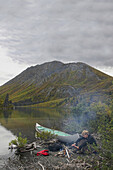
x: 55, y: 147
x: 61, y: 136
x: 43, y: 152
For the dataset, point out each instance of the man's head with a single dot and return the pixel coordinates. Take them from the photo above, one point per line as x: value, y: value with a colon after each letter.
x: 85, y: 133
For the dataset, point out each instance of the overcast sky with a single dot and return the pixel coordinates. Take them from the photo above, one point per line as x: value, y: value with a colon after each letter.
x: 36, y: 31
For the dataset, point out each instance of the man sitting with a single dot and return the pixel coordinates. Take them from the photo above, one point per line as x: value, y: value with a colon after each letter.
x: 81, y: 143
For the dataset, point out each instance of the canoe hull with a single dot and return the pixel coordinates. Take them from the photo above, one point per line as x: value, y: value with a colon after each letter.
x: 61, y: 136
x: 40, y: 128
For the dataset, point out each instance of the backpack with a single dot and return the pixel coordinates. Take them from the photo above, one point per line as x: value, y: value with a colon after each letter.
x: 55, y: 147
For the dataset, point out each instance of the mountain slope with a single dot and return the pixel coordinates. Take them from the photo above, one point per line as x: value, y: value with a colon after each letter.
x: 58, y: 81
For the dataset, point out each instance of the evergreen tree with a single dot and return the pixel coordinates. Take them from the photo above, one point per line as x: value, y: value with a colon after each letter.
x: 6, y: 101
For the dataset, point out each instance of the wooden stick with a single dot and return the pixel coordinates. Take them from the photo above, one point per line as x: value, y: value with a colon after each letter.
x: 41, y: 165
x: 67, y: 153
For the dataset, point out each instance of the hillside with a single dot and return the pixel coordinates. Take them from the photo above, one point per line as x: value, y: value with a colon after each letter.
x: 58, y: 84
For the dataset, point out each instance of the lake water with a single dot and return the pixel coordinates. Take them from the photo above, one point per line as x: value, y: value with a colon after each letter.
x: 23, y: 120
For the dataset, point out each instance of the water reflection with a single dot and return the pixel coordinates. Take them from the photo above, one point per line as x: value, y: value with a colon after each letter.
x: 5, y: 137
x: 24, y: 119
x: 7, y: 114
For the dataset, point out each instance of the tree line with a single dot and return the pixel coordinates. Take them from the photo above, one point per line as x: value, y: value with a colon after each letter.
x: 6, y: 103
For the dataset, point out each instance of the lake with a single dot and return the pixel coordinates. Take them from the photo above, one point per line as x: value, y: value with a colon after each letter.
x: 24, y: 119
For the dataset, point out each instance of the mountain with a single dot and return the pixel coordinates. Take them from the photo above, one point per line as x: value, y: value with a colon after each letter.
x: 58, y: 84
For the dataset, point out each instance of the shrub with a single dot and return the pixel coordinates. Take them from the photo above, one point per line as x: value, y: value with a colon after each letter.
x: 19, y: 141
x: 45, y: 135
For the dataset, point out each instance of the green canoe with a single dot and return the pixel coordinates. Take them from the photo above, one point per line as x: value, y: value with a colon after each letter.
x: 40, y: 128
x: 61, y: 136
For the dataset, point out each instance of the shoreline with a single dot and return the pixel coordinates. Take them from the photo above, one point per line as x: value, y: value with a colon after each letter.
x: 56, y: 160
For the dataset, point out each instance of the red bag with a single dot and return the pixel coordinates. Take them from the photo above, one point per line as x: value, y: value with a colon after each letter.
x: 43, y: 152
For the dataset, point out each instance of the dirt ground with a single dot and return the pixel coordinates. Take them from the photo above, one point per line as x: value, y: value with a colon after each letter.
x: 58, y: 160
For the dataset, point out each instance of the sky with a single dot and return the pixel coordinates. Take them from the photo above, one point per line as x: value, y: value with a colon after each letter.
x: 37, y: 31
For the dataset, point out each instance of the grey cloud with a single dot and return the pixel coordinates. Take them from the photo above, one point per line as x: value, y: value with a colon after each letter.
x: 67, y: 30
x: 5, y: 78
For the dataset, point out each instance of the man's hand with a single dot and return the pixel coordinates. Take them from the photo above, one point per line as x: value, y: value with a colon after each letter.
x: 75, y: 146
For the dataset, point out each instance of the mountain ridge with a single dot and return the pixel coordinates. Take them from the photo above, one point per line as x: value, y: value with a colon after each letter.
x: 56, y: 80
x: 32, y: 70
